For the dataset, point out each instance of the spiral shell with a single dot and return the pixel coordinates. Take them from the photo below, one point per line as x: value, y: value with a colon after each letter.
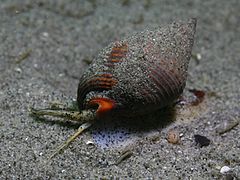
x: 139, y: 74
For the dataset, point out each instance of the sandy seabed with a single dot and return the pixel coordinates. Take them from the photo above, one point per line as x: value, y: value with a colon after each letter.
x: 46, y: 45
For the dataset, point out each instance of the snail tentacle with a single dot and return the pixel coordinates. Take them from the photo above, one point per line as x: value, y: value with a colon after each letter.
x: 71, y: 138
x: 83, y: 116
x: 86, y: 117
x: 67, y: 106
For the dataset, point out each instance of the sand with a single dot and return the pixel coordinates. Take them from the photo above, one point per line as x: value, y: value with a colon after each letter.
x: 45, y: 47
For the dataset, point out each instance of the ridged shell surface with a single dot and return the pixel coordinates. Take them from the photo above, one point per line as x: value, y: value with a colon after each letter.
x: 141, y: 73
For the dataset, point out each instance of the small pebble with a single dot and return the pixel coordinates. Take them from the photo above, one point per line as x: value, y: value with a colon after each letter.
x: 225, y: 169
x: 173, y: 137
x: 227, y: 125
x: 17, y: 69
x: 198, y: 56
x: 89, y: 142
x: 201, y: 140
x: 45, y: 34
x: 63, y: 171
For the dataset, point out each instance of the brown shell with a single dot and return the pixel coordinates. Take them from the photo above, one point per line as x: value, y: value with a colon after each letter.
x: 141, y: 73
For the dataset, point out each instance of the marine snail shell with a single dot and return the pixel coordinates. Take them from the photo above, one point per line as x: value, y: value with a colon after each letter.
x: 139, y: 74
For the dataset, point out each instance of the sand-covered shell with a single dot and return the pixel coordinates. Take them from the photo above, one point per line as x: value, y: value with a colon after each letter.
x: 139, y: 74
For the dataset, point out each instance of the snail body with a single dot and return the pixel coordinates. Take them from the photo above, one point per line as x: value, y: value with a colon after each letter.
x: 139, y: 74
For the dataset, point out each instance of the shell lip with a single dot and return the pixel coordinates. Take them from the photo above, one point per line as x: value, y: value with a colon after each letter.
x: 102, y: 104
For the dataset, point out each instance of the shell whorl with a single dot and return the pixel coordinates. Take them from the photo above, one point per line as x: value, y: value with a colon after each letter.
x: 102, y: 80
x: 143, y: 72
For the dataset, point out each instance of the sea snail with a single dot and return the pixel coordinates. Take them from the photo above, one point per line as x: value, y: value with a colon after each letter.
x: 136, y: 75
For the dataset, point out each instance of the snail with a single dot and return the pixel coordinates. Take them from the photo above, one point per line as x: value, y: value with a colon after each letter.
x: 137, y: 75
